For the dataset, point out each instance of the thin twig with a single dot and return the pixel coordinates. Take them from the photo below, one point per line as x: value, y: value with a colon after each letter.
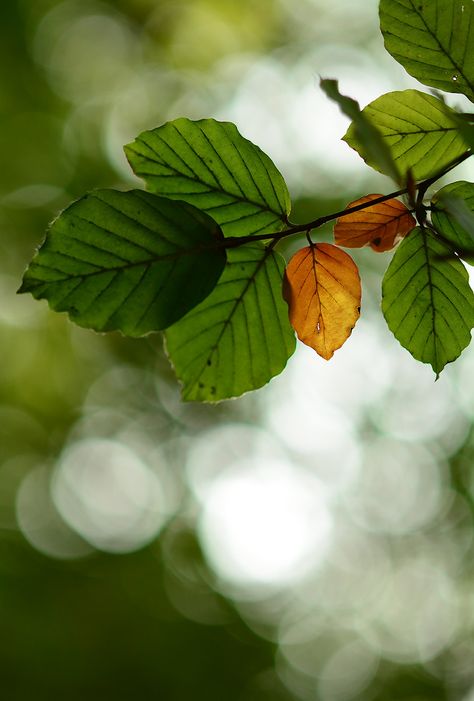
x: 422, y: 187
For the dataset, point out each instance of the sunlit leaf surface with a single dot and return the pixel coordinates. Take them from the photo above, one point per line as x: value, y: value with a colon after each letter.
x: 453, y: 216
x: 427, y: 301
x: 364, y: 130
x: 322, y: 288
x: 433, y: 40
x: 209, y: 164
x: 240, y: 336
x: 418, y: 129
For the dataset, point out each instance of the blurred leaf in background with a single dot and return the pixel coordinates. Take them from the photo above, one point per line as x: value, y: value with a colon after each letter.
x: 313, y: 540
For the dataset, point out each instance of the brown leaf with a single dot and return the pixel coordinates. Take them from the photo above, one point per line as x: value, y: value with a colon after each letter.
x: 381, y: 226
x: 322, y: 289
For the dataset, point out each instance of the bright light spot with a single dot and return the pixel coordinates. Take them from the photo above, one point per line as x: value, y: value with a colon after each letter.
x: 399, y: 488
x: 222, y: 447
x: 463, y: 375
x: 307, y: 119
x: 355, y: 573
x: 347, y: 672
x: 417, y: 615
x: 415, y: 395
x: 41, y: 524
x: 108, y: 495
x: 265, y: 523
x: 359, y: 373
x: 317, y: 432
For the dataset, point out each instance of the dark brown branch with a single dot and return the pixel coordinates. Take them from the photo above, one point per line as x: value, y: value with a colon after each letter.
x: 422, y: 187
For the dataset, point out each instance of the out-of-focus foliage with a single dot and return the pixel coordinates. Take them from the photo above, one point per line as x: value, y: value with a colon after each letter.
x: 312, y: 542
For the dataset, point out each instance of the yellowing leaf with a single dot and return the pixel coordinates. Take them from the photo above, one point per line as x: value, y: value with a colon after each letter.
x: 322, y: 289
x: 380, y: 226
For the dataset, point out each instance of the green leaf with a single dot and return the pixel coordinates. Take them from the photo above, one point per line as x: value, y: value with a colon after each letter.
x: 127, y: 260
x: 433, y: 40
x: 427, y: 301
x: 453, y: 216
x: 466, y: 128
x: 240, y: 336
x: 365, y: 133
x: 211, y: 166
x: 417, y: 128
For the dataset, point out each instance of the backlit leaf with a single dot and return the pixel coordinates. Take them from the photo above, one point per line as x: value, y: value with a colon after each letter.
x: 380, y: 226
x: 126, y: 260
x: 466, y: 129
x: 433, y: 40
x: 238, y: 338
x: 453, y: 216
x: 322, y: 288
x: 418, y: 129
x: 364, y: 131
x: 427, y: 301
x: 210, y: 165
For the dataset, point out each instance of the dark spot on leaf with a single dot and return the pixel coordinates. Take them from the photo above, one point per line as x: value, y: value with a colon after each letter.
x: 377, y: 241
x: 358, y: 309
x: 209, y: 362
x: 213, y: 390
x: 201, y: 385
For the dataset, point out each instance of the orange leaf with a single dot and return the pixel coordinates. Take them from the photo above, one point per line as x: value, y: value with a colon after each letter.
x: 381, y: 226
x: 322, y: 289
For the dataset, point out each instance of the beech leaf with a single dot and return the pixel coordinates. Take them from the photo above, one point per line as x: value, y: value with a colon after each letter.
x: 323, y: 292
x: 420, y: 131
x: 368, y: 135
x: 433, y: 40
x: 380, y: 226
x: 127, y: 261
x: 453, y: 217
x: 213, y: 167
x: 427, y: 301
x: 239, y: 337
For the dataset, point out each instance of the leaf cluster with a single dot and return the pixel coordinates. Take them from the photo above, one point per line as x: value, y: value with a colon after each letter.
x: 195, y: 254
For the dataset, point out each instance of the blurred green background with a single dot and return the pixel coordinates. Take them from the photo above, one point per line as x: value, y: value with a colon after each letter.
x: 313, y: 540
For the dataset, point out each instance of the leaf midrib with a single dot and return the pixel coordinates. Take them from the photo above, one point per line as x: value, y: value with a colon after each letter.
x: 267, y: 252
x: 432, y: 304
x: 116, y: 268
x: 236, y: 198
x: 443, y: 50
